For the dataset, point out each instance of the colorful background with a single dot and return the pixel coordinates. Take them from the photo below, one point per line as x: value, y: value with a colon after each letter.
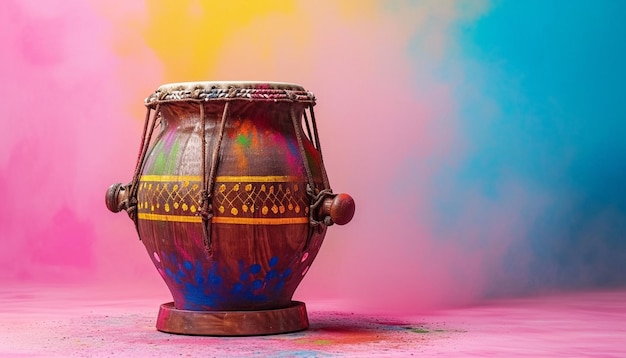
x: 483, y: 141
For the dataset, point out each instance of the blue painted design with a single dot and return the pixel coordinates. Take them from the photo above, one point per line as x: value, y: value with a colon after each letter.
x: 257, y: 284
x: 214, y: 279
x: 254, y: 269
x: 273, y: 261
x: 271, y: 275
x: 199, y: 275
x: 196, y: 298
x: 200, y: 288
x: 237, y: 288
x: 254, y: 284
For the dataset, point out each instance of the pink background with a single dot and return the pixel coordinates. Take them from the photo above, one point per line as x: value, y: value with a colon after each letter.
x: 393, y: 83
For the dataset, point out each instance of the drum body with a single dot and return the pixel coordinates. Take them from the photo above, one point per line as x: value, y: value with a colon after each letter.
x: 260, y: 245
x: 231, y: 200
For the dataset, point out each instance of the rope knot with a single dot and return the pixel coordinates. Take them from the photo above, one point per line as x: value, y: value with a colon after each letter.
x: 317, y: 199
x: 206, y: 210
x: 293, y: 97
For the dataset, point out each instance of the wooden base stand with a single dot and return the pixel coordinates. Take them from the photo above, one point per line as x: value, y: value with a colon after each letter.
x: 232, y: 323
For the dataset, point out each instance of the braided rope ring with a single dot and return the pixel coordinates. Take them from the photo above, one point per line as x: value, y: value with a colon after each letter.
x: 220, y: 91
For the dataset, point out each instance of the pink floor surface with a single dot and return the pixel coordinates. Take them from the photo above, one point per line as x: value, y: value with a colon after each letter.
x: 42, y: 321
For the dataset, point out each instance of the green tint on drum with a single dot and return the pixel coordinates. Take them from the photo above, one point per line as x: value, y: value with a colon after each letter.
x: 230, y: 198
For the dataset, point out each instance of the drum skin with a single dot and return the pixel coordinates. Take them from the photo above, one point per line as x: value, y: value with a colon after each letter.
x: 260, y: 247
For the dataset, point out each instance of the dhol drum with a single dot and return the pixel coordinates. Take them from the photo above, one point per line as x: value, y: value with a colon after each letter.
x: 231, y: 200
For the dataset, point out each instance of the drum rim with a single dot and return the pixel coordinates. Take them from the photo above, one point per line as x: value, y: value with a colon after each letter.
x: 229, y: 90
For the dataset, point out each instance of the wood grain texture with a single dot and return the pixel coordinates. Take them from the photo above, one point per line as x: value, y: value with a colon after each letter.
x: 261, y: 246
x: 232, y: 202
x: 233, y: 323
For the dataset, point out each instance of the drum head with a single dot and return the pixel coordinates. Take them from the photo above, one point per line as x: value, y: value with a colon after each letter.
x: 235, y: 90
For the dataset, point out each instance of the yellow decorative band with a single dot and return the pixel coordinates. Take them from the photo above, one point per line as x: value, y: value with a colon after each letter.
x: 224, y: 220
x: 260, y: 221
x: 223, y: 178
x: 257, y: 179
x: 177, y: 218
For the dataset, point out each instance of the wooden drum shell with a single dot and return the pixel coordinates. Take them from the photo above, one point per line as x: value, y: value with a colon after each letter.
x: 260, y: 244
